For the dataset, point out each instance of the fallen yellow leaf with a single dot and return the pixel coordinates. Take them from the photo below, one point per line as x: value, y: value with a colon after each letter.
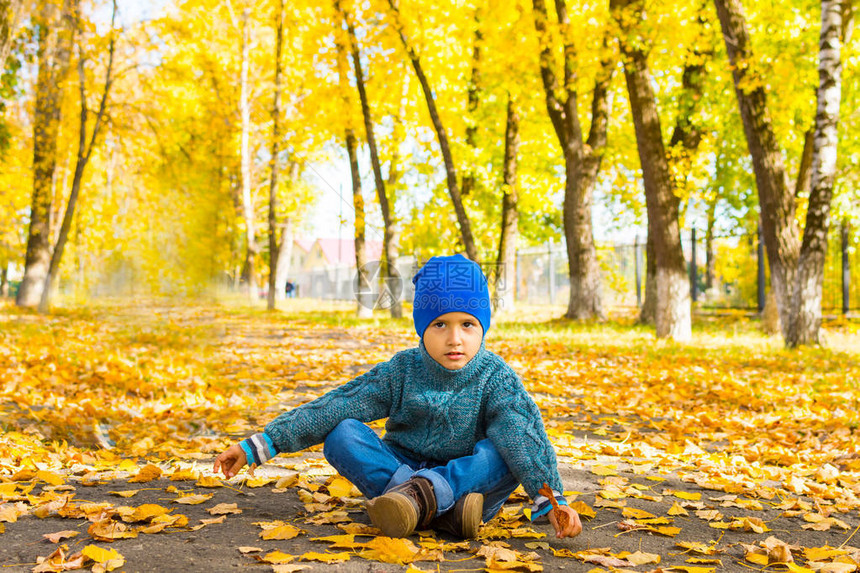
x: 636, y: 513
x: 146, y: 474
x: 209, y: 481
x: 49, y: 477
x: 325, y: 557
x: 281, y: 532
x: 676, y: 509
x: 390, y: 550
x: 603, y: 470
x: 640, y: 558
x: 277, y: 557
x: 757, y: 558
x: 224, y: 508
x: 125, y: 493
x: 60, y: 535
x: 822, y: 553
x: 101, y: 555
x: 583, y: 509
x: 194, y: 499
x: 184, y: 475
x: 340, y: 487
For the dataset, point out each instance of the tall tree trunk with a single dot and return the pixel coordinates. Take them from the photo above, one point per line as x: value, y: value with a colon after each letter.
x: 274, y: 251
x: 10, y: 10
x: 85, y: 150
x: 803, y: 183
x: 777, y: 205
x: 805, y: 317
x: 648, y: 312
x: 285, y: 254
x: 390, y: 233
x: 252, y: 248
x: 4, y: 280
x: 450, y: 169
x: 686, y: 137
x: 474, y: 95
x: 364, y: 296
x: 710, y: 270
x: 582, y: 161
x: 672, y: 317
x: 505, y: 273
x: 55, y: 26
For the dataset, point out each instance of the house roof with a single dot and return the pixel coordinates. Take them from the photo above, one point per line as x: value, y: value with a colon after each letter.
x: 304, y: 244
x: 342, y: 251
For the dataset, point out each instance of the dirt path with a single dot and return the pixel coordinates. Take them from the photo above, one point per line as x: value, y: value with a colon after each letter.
x: 672, y: 477
x: 215, y: 547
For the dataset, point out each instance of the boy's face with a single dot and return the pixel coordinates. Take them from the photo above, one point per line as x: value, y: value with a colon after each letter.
x: 453, y: 339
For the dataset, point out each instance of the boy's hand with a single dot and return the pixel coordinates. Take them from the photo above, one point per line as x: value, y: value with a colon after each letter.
x: 574, y: 526
x: 230, y: 461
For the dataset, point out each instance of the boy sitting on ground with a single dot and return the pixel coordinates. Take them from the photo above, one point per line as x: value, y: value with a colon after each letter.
x: 462, y: 432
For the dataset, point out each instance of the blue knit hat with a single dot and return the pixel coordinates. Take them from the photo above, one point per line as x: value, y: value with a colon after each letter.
x: 450, y: 284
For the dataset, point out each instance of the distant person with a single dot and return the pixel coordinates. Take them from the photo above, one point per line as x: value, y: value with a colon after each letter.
x: 290, y: 289
x: 462, y: 432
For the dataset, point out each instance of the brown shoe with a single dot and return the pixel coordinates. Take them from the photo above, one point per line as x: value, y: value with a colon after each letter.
x: 464, y: 519
x: 403, y: 508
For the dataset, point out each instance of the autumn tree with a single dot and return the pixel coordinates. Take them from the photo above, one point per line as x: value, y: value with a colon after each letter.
x: 85, y: 151
x: 390, y: 231
x: 55, y: 27
x: 582, y: 158
x: 798, y: 318
x: 450, y: 168
x: 673, y: 312
x: 365, y: 307
x: 687, y: 134
x: 509, y: 233
x: 274, y: 246
x: 805, y: 311
x: 252, y: 248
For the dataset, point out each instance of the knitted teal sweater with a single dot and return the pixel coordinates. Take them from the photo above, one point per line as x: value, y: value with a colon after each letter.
x: 434, y: 414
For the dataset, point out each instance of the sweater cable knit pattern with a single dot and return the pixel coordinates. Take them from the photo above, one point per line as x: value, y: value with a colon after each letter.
x: 433, y: 413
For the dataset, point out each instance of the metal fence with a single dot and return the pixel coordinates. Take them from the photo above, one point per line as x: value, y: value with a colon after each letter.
x: 738, y: 278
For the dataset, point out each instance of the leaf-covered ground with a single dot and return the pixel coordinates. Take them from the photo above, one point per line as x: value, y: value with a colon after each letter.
x: 728, y: 453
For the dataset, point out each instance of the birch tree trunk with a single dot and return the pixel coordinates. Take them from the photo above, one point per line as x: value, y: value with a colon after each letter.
x: 805, y: 317
x: 505, y: 273
x: 274, y: 251
x: 581, y: 161
x: 55, y: 26
x: 779, y: 225
x: 252, y: 248
x: 285, y: 255
x: 673, y: 313
x: 450, y: 169
x: 85, y: 150
x: 390, y: 233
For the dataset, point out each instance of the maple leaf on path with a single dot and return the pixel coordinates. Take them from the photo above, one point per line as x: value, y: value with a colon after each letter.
x: 561, y: 517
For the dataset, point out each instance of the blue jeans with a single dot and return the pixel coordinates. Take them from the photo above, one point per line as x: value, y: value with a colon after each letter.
x: 360, y: 456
